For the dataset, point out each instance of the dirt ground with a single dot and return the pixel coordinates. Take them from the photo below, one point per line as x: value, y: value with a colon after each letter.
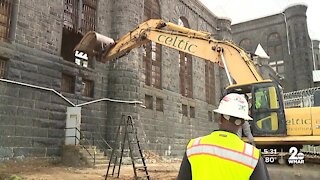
x: 51, y: 170
x: 48, y: 170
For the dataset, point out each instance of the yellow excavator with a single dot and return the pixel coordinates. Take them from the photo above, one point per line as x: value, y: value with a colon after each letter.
x: 272, y: 125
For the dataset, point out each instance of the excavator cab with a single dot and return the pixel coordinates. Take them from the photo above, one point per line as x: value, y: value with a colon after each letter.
x: 265, y: 107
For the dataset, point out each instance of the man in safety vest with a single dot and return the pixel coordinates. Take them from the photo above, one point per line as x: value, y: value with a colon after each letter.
x: 222, y: 155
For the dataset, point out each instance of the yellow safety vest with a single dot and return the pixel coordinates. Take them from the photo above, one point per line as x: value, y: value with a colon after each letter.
x: 221, y: 156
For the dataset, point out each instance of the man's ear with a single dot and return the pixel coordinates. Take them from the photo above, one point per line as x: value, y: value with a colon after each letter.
x: 242, y: 122
x: 238, y: 122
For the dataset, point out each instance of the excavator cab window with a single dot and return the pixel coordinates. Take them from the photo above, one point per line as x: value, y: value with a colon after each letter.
x: 267, y: 110
x: 265, y: 119
x: 265, y: 107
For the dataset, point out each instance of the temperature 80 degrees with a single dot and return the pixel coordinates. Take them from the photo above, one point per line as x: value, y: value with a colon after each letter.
x: 270, y: 159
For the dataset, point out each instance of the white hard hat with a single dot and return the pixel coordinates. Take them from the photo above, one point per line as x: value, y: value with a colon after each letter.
x: 234, y: 105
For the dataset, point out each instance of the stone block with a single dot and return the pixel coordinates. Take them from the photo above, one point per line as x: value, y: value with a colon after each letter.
x: 29, y: 151
x: 6, y: 120
x: 57, y: 116
x: 15, y: 141
x: 8, y: 110
x: 27, y: 112
x: 56, y: 133
x: 42, y: 96
x: 6, y: 152
x: 26, y: 131
x: 40, y: 132
x: 26, y: 103
x: 7, y: 130
x: 46, y: 142
x: 55, y: 151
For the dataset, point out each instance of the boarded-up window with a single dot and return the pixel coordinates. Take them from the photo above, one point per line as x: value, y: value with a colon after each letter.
x: 185, y: 65
x: 148, y: 101
x: 87, y: 88
x: 184, y: 110
x: 79, y: 17
x: 68, y: 83
x: 209, y: 82
x: 5, y: 14
x: 192, y: 112
x: 159, y: 104
x: 209, y: 116
x: 3, y: 68
x: 152, y: 51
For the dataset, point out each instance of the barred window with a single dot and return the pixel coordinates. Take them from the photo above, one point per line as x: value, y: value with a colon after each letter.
x: 79, y: 17
x: 184, y: 110
x: 88, y: 15
x: 159, y: 104
x: 87, y: 88
x: 5, y: 14
x: 3, y: 68
x: 210, y: 82
x: 192, y: 112
x: 185, y: 65
x: 68, y: 83
x: 152, y: 50
x: 148, y: 101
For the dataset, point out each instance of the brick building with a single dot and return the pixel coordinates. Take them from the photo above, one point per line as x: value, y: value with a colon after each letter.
x: 285, y: 38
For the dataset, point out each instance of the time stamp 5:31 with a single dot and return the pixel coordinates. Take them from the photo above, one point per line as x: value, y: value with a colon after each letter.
x: 273, y: 155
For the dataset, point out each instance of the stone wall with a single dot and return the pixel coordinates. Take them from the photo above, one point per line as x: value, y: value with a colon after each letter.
x: 32, y: 120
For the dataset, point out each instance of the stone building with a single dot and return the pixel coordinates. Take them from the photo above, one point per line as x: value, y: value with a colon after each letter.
x: 285, y: 38
x: 41, y: 75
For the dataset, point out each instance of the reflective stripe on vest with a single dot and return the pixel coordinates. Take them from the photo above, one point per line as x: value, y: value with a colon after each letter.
x: 245, y: 158
x: 196, y: 141
x: 248, y: 149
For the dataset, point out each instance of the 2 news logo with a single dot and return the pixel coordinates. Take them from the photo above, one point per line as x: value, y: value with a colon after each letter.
x: 295, y: 157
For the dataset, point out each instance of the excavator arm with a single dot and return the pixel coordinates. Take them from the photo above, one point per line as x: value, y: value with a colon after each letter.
x: 197, y: 43
x: 269, y: 118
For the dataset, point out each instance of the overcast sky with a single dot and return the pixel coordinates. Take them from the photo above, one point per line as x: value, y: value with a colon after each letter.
x: 244, y: 10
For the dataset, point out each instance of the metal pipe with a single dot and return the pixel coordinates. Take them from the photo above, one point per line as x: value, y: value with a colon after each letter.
x: 67, y: 100
x: 287, y: 32
x: 111, y: 100
x: 226, y: 68
x: 314, y: 62
x: 38, y: 87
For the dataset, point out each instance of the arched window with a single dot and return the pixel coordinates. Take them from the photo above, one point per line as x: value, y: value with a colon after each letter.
x: 152, y: 50
x: 185, y: 64
x: 275, y: 51
x: 246, y: 44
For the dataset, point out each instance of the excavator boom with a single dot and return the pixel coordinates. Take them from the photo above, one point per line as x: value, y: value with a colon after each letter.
x: 272, y: 126
x: 234, y: 59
